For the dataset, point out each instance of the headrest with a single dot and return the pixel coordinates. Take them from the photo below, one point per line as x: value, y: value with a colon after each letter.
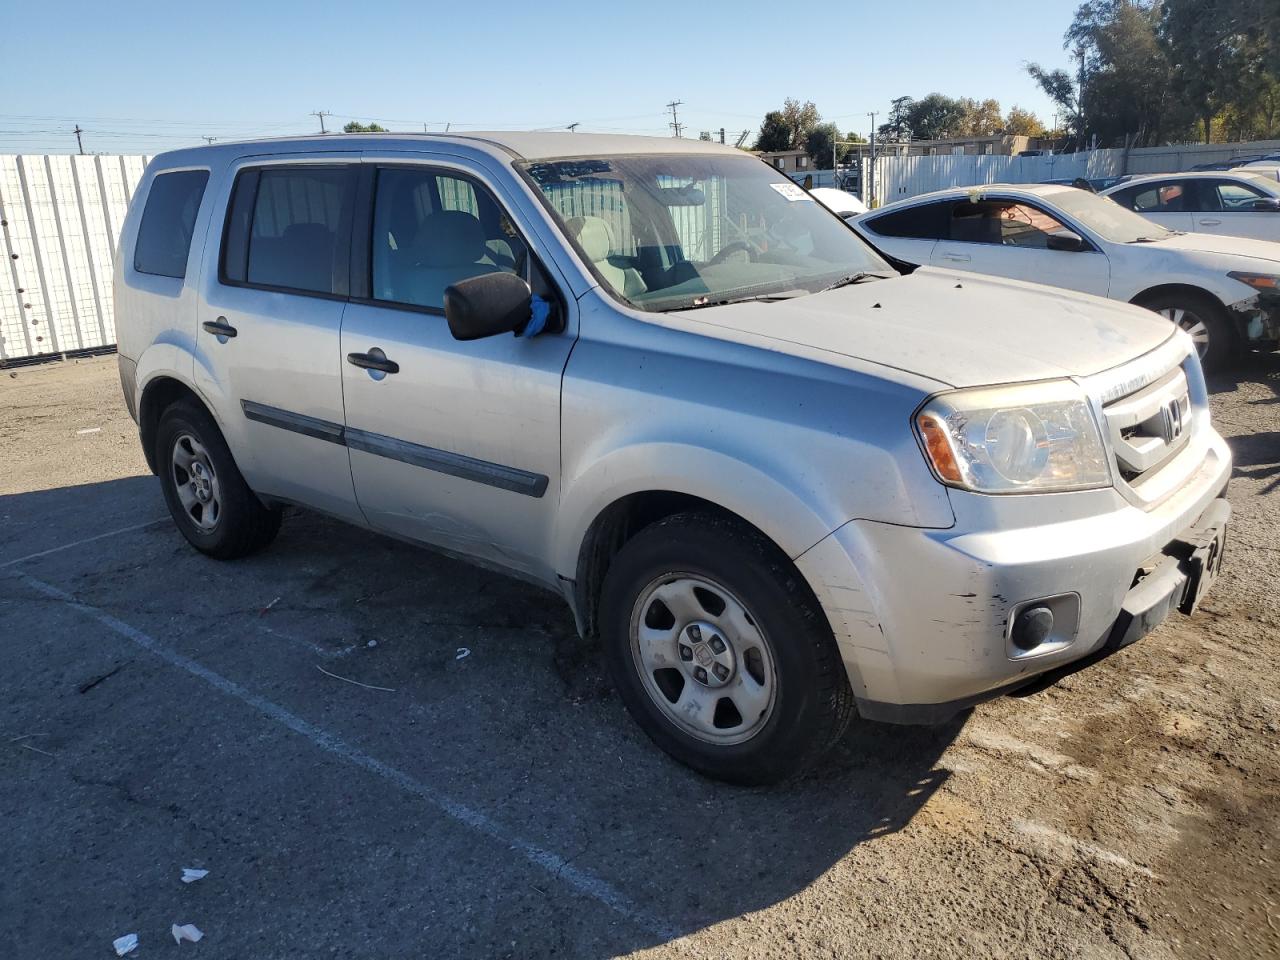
x: 448, y: 238
x: 593, y: 235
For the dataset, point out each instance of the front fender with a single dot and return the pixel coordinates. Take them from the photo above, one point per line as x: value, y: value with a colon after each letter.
x: 779, y: 511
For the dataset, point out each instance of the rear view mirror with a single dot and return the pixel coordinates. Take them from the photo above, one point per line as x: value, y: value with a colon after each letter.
x: 1066, y: 240
x: 1266, y: 203
x: 487, y: 305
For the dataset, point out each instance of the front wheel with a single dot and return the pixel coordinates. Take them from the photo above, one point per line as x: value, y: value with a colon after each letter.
x: 720, y: 652
x: 1204, y: 320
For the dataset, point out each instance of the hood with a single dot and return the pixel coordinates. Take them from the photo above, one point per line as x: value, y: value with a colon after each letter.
x: 960, y: 329
x: 1265, y: 250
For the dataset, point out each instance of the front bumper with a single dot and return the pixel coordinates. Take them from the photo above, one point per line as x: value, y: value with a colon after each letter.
x: 1257, y: 319
x: 923, y: 616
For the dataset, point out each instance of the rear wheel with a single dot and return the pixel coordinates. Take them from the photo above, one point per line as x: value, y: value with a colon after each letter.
x: 206, y: 495
x: 1203, y: 319
x: 719, y: 650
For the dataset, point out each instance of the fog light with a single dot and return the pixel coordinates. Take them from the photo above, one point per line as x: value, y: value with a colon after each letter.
x: 1032, y: 628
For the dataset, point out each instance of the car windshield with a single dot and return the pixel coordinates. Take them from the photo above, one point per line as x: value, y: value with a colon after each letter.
x: 676, y: 232
x: 1107, y: 218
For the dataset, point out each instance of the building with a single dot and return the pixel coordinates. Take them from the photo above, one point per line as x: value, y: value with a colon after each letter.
x: 1000, y: 144
x: 790, y: 162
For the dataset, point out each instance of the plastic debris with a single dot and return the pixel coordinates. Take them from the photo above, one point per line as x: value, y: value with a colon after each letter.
x: 81, y: 433
x: 268, y: 606
x: 462, y: 652
x: 188, y: 931
x: 371, y: 644
x: 126, y: 944
x: 191, y: 874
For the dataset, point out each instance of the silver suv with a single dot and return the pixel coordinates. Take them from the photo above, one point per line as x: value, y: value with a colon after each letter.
x: 781, y: 483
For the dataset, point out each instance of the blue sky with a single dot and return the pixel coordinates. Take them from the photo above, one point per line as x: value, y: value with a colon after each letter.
x: 143, y: 77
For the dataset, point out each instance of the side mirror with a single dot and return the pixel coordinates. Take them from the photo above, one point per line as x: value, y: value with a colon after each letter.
x: 1266, y: 204
x: 487, y: 305
x: 1067, y: 241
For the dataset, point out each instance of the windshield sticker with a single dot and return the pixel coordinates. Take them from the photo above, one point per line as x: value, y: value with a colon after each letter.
x: 790, y: 191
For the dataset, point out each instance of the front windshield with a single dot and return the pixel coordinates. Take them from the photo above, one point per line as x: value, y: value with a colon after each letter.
x: 1107, y: 218
x: 675, y: 232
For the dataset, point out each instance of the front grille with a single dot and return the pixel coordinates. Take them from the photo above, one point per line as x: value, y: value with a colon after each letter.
x: 1149, y: 427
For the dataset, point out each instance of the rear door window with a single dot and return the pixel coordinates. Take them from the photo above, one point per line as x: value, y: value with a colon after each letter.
x: 289, y: 229
x: 925, y: 222
x: 1004, y: 222
x: 168, y: 220
x: 1168, y: 196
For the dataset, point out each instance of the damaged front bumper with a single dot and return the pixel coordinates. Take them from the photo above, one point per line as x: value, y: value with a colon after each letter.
x: 926, y: 619
x: 1257, y: 319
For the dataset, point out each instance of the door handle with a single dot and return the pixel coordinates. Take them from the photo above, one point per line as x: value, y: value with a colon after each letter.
x: 1209, y: 222
x: 957, y: 257
x: 219, y: 327
x: 372, y: 361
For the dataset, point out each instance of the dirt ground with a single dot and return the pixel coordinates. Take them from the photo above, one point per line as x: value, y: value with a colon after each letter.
x: 484, y: 794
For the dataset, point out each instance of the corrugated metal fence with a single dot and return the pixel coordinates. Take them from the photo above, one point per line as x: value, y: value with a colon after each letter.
x: 60, y: 219
x: 897, y: 178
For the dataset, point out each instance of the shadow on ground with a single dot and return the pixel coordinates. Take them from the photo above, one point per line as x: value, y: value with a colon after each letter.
x: 524, y: 730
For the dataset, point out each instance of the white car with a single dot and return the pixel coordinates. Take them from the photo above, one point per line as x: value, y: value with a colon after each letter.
x: 1235, y: 203
x: 1224, y: 291
x: 840, y: 202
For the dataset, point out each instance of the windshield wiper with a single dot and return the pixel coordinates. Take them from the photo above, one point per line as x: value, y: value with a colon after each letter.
x: 760, y: 297
x: 852, y: 279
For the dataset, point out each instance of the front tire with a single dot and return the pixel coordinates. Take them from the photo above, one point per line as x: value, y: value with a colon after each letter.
x: 1204, y: 319
x: 204, y: 490
x: 720, y: 651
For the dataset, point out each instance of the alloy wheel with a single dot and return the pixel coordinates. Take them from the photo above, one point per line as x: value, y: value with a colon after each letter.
x: 196, y: 482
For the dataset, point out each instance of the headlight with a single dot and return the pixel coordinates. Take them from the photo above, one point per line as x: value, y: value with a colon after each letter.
x: 1259, y: 281
x: 1028, y: 438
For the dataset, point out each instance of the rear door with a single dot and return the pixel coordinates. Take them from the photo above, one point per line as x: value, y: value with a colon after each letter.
x: 267, y: 344
x: 460, y: 446
x: 1166, y: 202
x: 910, y: 233
x: 1235, y: 208
x: 1010, y: 238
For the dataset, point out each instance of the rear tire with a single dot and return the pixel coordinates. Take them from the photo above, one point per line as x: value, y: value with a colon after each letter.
x: 204, y: 490
x: 1204, y: 319
x: 720, y: 651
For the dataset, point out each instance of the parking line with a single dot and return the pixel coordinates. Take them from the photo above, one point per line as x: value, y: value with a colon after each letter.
x: 80, y: 543
x: 582, y: 881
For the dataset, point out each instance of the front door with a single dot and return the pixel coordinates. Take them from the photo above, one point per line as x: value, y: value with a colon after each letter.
x: 460, y: 445
x: 267, y: 345
x: 1235, y: 209
x: 1010, y: 238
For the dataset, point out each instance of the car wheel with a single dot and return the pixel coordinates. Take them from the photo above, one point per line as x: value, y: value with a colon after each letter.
x: 1204, y: 320
x: 720, y: 651
x: 206, y: 495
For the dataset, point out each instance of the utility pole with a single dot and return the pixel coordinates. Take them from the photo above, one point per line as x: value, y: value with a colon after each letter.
x: 722, y: 135
x: 1080, y: 101
x: 572, y: 128
x: 77, y: 131
x: 869, y: 191
x: 675, y: 123
x: 208, y: 139
x: 321, y: 114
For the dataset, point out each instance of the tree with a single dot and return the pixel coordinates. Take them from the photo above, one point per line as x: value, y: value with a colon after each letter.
x: 1058, y: 87
x: 1023, y: 123
x: 1213, y: 51
x: 978, y: 119
x: 357, y: 127
x: 936, y: 117
x: 898, y: 129
x: 822, y: 139
x: 802, y: 118
x: 775, y: 133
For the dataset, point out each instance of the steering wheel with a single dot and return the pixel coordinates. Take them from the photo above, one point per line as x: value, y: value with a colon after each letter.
x: 730, y: 248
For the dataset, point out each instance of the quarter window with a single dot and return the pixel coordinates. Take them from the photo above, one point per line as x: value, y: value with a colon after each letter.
x: 168, y: 221
x: 431, y: 230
